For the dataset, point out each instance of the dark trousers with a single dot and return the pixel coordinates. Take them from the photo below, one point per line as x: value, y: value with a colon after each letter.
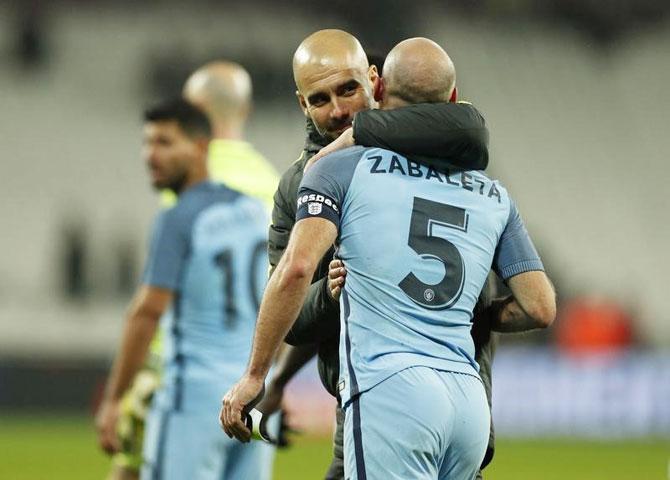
x: 336, y: 468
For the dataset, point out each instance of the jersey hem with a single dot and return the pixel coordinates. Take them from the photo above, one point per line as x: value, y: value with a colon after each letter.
x: 465, y: 369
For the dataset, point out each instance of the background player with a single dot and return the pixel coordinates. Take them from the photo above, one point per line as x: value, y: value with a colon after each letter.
x: 205, y: 271
x: 223, y: 90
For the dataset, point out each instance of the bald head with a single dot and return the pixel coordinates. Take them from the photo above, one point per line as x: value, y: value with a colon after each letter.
x: 223, y: 91
x: 334, y: 80
x: 325, y: 51
x: 418, y: 70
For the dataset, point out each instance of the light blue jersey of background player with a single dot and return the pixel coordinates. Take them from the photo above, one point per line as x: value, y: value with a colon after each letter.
x: 418, y: 245
x: 210, y: 250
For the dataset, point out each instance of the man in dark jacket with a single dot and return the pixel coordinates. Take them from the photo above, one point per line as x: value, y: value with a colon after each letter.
x: 336, y: 88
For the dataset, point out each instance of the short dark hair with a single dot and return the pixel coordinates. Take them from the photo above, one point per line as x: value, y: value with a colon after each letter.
x: 189, y: 117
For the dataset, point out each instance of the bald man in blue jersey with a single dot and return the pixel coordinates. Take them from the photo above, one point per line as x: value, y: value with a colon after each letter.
x: 418, y: 245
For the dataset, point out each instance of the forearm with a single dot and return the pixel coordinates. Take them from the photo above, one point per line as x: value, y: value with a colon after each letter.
x: 283, y: 298
x: 438, y: 135
x: 511, y: 318
x: 534, y: 301
x: 137, y: 335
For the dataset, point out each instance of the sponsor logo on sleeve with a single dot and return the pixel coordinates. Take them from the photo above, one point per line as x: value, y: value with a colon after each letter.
x: 315, y: 203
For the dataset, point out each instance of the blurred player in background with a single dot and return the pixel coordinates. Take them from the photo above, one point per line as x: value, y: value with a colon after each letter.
x: 133, y: 410
x: 205, y: 273
x: 223, y: 90
x: 405, y: 348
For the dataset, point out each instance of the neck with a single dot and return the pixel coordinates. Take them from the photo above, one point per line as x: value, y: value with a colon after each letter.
x: 392, y: 101
x: 194, y: 177
x: 228, y: 131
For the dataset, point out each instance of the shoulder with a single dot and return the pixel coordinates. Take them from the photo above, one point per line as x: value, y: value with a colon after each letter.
x: 194, y: 201
x: 172, y: 218
x: 254, y: 207
x: 203, y: 195
x: 296, y: 168
x: 293, y: 174
x: 423, y: 111
x: 340, y: 163
x: 287, y: 189
x: 467, y: 107
x: 348, y: 154
x: 333, y: 174
x: 170, y: 228
x: 497, y: 184
x: 261, y: 164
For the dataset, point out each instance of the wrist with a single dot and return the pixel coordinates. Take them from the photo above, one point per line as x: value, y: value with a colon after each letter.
x: 111, y: 399
x: 256, y: 374
x: 351, y: 132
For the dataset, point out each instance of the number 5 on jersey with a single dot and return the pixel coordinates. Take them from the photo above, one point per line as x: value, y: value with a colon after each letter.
x: 425, y: 215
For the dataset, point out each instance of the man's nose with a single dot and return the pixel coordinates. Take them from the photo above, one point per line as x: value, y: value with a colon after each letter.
x: 150, y: 155
x: 340, y: 109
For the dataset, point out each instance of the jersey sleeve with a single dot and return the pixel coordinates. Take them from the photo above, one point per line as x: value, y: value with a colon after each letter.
x: 438, y: 135
x: 515, y: 253
x: 167, y: 252
x: 324, y: 186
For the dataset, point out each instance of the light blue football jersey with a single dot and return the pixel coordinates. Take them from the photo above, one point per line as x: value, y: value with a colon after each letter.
x: 418, y: 245
x: 210, y: 249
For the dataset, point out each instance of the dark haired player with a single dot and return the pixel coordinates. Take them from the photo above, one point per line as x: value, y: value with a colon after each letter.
x: 204, y: 275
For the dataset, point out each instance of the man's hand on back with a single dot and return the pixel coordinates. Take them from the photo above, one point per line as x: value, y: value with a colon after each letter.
x: 336, y: 276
